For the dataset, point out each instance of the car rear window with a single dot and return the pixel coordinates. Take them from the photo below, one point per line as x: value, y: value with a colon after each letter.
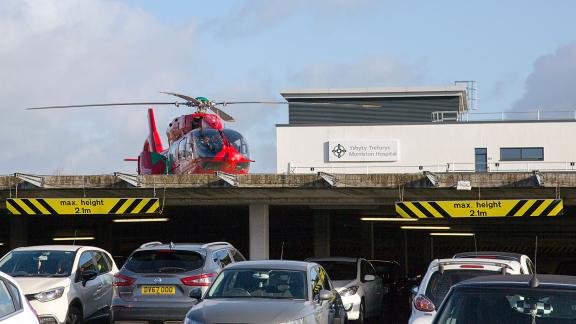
x: 164, y: 261
x: 440, y: 283
x: 340, y: 270
x: 509, y: 305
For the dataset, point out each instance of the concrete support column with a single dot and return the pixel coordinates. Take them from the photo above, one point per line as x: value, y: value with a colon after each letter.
x: 18, y: 231
x: 367, y: 234
x: 321, y: 234
x: 259, y: 232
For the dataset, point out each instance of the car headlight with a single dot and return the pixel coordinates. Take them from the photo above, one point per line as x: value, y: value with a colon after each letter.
x: 49, y: 294
x: 191, y: 321
x: 296, y: 321
x: 349, y: 291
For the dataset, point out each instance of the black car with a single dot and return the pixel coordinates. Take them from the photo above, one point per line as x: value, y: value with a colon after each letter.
x: 518, y: 299
x: 394, y: 285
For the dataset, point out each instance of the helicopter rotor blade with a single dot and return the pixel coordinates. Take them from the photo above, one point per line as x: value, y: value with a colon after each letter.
x: 303, y: 103
x: 191, y: 100
x: 222, y: 114
x: 107, y: 105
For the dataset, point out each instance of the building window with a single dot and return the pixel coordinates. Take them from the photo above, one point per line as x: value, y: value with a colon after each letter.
x: 481, y: 159
x: 522, y: 154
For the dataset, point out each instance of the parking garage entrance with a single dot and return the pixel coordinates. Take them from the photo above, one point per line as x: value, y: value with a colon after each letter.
x: 300, y: 216
x: 299, y: 232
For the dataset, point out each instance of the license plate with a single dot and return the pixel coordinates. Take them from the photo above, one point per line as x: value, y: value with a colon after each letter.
x: 158, y: 290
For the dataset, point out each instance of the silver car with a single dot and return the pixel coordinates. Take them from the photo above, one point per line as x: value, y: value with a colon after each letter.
x: 357, y: 283
x: 154, y: 284
x: 269, y: 291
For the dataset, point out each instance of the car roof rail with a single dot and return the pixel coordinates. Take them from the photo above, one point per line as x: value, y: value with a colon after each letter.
x: 214, y: 244
x: 149, y: 244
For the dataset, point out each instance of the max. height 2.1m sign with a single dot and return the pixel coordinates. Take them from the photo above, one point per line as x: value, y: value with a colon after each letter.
x: 82, y: 206
x: 362, y: 151
x: 480, y: 208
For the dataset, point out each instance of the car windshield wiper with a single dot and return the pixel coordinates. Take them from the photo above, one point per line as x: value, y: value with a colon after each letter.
x: 54, y: 275
x: 23, y: 274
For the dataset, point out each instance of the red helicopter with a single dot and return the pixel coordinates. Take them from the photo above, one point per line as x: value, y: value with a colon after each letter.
x: 197, y: 143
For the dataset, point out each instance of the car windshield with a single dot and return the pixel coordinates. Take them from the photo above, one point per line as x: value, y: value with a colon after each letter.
x: 340, y: 270
x: 386, y: 269
x: 164, y: 261
x: 509, y: 305
x: 38, y: 263
x: 440, y: 282
x: 259, y: 283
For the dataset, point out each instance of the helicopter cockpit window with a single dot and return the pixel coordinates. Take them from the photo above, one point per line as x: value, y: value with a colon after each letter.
x: 189, y: 147
x: 208, y: 142
x: 238, y: 141
x: 173, y: 152
x: 182, y: 149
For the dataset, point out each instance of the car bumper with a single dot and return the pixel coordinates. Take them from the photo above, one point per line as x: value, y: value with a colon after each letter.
x: 421, y: 318
x: 149, y: 314
x: 352, y: 306
x: 51, y: 312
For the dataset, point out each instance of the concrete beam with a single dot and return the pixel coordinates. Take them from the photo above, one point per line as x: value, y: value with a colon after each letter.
x: 259, y: 232
x: 294, y: 181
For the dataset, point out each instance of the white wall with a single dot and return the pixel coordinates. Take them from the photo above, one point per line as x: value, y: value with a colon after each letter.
x: 436, y: 147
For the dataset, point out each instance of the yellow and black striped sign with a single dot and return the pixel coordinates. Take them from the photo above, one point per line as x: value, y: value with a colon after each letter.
x: 480, y: 208
x: 85, y: 206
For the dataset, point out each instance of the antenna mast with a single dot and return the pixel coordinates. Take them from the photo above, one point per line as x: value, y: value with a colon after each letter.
x: 471, y: 93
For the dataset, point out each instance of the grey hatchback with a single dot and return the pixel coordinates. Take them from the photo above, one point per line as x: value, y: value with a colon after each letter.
x: 154, y: 284
x: 269, y: 291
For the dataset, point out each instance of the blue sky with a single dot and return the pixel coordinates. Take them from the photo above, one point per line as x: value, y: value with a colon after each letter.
x: 493, y: 42
x: 521, y: 53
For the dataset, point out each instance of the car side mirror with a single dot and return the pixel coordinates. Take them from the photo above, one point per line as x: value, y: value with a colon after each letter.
x: 325, y: 294
x: 369, y: 277
x: 196, y: 293
x: 414, y: 290
x: 88, y: 275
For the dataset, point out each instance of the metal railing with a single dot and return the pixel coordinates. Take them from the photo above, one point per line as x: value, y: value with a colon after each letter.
x: 440, y: 167
x: 447, y: 116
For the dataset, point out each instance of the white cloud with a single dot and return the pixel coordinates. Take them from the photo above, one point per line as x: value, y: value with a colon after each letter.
x: 374, y: 71
x: 73, y: 52
x: 551, y: 84
x: 257, y: 122
x: 70, y: 52
x: 254, y: 16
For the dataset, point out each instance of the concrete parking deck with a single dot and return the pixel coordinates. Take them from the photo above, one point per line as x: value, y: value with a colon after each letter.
x: 260, y: 212
x: 298, y: 189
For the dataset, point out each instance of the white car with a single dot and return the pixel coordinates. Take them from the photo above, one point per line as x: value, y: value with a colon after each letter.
x: 443, y: 273
x: 526, y: 265
x: 14, y: 307
x: 64, y: 284
x: 359, y: 287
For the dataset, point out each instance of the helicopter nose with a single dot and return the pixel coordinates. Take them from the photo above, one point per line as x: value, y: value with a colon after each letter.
x: 235, y: 157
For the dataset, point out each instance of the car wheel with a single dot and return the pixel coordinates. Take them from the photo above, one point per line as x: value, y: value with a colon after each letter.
x: 361, y: 313
x: 74, y: 316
